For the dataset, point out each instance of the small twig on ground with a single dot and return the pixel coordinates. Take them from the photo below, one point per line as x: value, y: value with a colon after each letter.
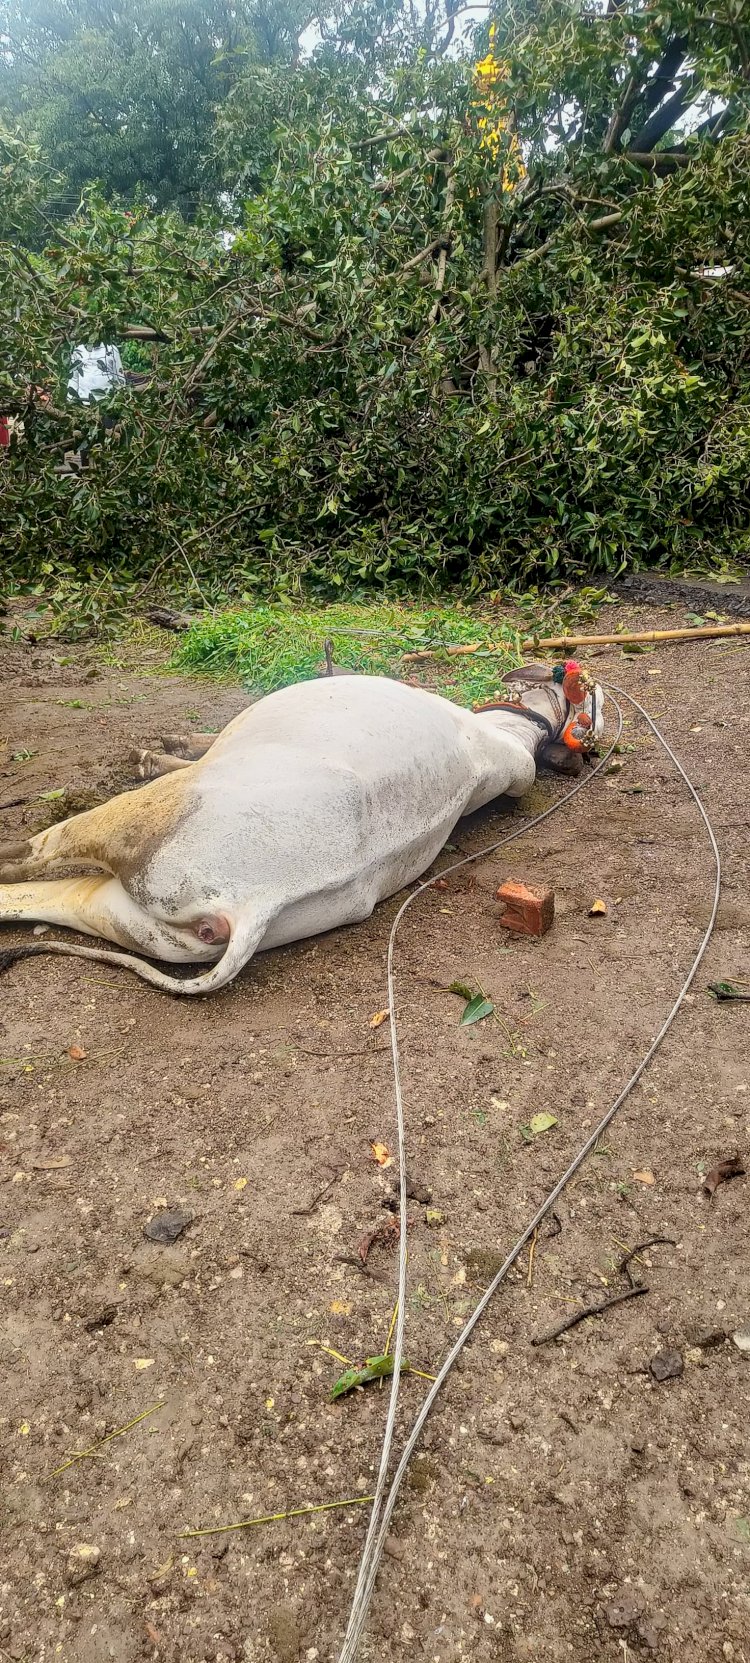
x: 369, y: 1051
x: 653, y: 1241
x: 303, y: 1212
x: 387, y: 1346
x: 337, y: 1354
x: 364, y: 1270
x: 273, y: 1518
x: 590, y: 1311
x: 532, y: 1251
x: 80, y: 1454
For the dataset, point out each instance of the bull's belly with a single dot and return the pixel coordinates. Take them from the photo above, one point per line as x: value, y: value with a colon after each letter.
x: 355, y: 898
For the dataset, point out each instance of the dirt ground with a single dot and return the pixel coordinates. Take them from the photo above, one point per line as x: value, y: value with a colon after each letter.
x: 565, y: 1504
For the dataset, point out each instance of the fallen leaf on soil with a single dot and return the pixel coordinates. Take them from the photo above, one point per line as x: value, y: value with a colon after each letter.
x: 51, y: 796
x: 379, y: 1017
x: 476, y: 1010
x: 375, y: 1368
x: 539, y: 1123
x: 77, y: 1053
x: 381, y: 1153
x: 240, y: 1183
x: 597, y: 909
x: 731, y: 1168
x: 339, y: 1308
x: 382, y: 1232
x: 645, y: 1177
x: 167, y: 1226
x: 434, y: 1217
x: 418, y: 1192
x: 54, y: 1163
x: 144, y: 1362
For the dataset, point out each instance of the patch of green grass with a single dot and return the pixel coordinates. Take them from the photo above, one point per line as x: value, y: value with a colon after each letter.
x: 273, y: 645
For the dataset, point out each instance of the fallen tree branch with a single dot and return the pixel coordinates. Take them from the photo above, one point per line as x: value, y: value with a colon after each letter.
x: 565, y: 642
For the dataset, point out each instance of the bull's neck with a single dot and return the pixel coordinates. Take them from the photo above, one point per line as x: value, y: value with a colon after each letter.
x: 548, y: 701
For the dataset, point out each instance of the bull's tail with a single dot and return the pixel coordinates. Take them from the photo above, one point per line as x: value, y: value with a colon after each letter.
x: 243, y: 942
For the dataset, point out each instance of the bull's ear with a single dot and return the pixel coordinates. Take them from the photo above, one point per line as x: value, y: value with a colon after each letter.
x: 532, y: 675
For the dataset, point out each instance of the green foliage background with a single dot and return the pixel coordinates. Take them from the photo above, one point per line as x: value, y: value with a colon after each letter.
x: 417, y: 364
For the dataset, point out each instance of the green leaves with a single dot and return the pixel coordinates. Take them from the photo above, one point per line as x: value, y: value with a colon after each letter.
x: 476, y: 1010
x: 341, y: 400
x: 375, y: 1368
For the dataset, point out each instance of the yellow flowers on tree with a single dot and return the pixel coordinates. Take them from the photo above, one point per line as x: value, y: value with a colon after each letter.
x: 493, y: 119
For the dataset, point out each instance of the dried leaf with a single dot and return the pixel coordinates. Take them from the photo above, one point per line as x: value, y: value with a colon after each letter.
x: 376, y: 1368
x: 380, y: 1016
x: 416, y: 1191
x: 539, y: 1123
x: 144, y: 1362
x: 77, y: 1053
x: 667, y: 1365
x: 381, y: 1153
x: 476, y: 1010
x: 390, y: 1228
x: 240, y: 1183
x: 165, y: 1227
x: 644, y: 1177
x: 597, y: 909
x: 339, y: 1308
x: 721, y: 1174
x: 55, y: 1163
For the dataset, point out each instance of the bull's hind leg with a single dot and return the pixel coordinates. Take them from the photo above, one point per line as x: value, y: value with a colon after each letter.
x: 117, y: 837
x: 32, y: 855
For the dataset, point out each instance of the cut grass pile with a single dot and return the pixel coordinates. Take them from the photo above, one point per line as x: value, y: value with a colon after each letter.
x: 273, y: 645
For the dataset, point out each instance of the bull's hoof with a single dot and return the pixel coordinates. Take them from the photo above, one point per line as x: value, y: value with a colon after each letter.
x: 177, y: 744
x: 145, y: 763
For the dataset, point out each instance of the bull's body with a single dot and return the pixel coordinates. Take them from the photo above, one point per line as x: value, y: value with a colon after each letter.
x: 308, y: 809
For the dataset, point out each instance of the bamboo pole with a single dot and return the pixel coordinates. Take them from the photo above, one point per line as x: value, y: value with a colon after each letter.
x: 563, y: 643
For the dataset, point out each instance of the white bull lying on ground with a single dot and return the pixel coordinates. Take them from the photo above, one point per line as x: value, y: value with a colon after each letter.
x: 308, y: 809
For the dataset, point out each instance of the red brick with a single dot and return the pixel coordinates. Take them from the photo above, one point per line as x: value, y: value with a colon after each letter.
x: 529, y: 908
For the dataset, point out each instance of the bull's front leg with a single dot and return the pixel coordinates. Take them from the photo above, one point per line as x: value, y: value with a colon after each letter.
x: 191, y: 746
x: 150, y: 766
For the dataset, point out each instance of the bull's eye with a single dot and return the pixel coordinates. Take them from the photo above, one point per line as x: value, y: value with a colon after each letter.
x: 212, y: 930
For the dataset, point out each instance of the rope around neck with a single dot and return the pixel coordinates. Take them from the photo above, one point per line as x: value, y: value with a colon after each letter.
x: 383, y: 1504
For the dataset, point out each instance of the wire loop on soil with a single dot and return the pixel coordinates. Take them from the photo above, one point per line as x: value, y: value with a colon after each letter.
x: 384, y: 1504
